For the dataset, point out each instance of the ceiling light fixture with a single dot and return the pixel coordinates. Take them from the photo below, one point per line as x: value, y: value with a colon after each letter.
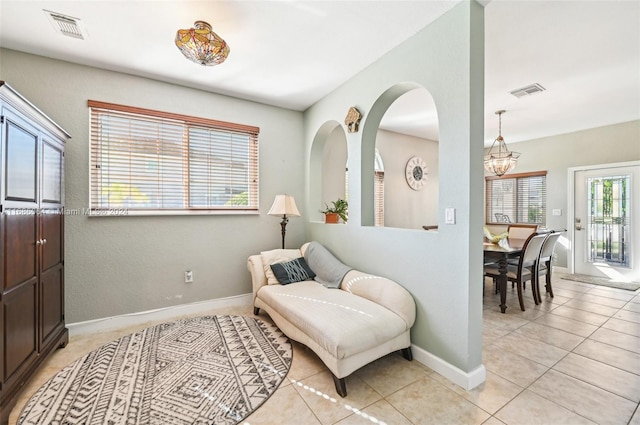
x: 201, y: 45
x: 501, y: 160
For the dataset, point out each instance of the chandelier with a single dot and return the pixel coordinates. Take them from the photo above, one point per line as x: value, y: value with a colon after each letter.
x: 201, y: 45
x: 500, y: 160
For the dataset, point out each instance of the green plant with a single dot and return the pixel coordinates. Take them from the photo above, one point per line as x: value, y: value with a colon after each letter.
x: 340, y: 207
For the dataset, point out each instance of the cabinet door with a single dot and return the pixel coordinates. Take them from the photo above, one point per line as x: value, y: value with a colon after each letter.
x: 20, y: 329
x: 52, y: 192
x: 19, y: 290
x: 52, y: 274
x: 20, y: 162
x: 19, y: 247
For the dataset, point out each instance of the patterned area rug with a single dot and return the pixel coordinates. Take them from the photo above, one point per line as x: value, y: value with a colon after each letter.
x: 204, y: 370
x: 629, y: 286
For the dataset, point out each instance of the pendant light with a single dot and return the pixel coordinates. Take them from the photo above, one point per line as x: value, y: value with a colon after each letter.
x: 500, y: 160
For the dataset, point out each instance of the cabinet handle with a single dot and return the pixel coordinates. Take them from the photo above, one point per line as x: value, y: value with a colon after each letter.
x: 44, y: 241
x: 39, y: 242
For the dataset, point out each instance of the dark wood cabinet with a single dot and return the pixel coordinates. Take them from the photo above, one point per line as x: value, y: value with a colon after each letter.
x: 31, y: 242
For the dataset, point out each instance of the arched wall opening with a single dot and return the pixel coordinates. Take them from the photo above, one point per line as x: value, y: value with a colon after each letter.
x: 403, y: 127
x: 327, y: 177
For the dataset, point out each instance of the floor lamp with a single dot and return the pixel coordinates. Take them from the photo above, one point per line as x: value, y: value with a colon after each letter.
x: 284, y: 205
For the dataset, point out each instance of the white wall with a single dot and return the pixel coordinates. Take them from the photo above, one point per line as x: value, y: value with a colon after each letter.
x: 555, y: 154
x: 404, y: 207
x: 122, y: 265
x: 334, y: 164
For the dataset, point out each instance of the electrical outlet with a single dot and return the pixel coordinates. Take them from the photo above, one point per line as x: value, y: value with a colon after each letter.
x: 188, y: 276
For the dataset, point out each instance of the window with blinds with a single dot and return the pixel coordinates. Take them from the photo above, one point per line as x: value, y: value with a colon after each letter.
x: 157, y: 162
x: 517, y: 198
x: 379, y: 198
x: 378, y: 190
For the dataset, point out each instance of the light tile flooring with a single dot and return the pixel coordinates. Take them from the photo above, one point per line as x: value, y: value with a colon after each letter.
x: 575, y: 359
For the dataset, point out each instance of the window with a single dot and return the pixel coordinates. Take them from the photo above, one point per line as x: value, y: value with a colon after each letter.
x: 517, y: 198
x: 378, y: 189
x: 155, y: 162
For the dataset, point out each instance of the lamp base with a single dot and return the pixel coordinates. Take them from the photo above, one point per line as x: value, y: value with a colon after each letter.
x: 283, y: 224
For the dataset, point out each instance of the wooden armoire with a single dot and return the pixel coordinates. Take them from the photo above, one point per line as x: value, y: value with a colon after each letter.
x: 31, y: 242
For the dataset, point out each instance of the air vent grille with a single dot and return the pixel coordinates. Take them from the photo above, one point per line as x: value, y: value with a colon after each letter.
x: 528, y: 90
x: 66, y: 25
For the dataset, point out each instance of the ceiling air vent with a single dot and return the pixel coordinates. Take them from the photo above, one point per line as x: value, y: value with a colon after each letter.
x: 528, y: 90
x: 66, y: 25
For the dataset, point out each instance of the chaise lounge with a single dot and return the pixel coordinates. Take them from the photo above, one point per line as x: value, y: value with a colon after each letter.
x: 347, y: 317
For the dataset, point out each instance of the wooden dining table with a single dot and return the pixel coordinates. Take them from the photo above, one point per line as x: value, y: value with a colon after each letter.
x: 501, y: 252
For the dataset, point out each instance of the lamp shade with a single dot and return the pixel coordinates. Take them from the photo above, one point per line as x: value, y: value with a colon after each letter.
x: 284, y: 205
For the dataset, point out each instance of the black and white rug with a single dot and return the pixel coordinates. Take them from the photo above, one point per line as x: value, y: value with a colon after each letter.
x: 203, y: 370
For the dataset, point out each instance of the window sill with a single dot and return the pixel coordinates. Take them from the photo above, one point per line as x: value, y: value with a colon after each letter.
x: 115, y: 212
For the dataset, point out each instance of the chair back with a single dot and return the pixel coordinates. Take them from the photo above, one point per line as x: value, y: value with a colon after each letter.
x: 521, y: 231
x: 549, y: 246
x: 531, y: 249
x: 502, y: 218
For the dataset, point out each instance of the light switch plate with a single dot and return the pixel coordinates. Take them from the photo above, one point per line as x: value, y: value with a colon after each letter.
x: 450, y: 216
x: 556, y: 211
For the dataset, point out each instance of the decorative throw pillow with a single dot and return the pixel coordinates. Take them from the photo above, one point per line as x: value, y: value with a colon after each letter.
x: 276, y: 256
x: 292, y: 271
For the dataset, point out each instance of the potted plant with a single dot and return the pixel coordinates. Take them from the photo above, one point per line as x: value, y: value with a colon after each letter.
x: 339, y: 209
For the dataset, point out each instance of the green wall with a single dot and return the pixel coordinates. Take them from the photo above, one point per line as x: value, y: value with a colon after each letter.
x: 120, y: 265
x: 443, y: 269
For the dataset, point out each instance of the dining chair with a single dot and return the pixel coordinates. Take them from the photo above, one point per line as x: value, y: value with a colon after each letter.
x: 526, y: 267
x: 502, y: 218
x: 544, y: 264
x: 521, y: 231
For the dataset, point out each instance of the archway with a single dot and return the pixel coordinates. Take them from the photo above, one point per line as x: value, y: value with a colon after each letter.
x: 403, y: 127
x: 328, y: 155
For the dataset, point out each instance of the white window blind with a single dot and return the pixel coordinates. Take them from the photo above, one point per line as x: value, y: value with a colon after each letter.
x: 517, y: 198
x: 379, y: 198
x: 378, y: 189
x: 145, y: 160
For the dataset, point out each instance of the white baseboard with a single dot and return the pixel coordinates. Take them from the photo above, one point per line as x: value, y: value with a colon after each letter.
x: 561, y: 270
x: 113, y: 322
x: 466, y: 380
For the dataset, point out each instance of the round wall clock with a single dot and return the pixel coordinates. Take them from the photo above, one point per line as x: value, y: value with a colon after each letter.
x: 416, y: 173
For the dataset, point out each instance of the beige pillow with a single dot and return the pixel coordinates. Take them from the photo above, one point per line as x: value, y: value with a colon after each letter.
x: 277, y: 256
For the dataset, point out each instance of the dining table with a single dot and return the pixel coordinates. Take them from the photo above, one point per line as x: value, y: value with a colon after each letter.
x: 501, y: 252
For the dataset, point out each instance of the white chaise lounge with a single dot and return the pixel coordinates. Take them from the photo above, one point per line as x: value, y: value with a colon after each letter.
x: 364, y: 318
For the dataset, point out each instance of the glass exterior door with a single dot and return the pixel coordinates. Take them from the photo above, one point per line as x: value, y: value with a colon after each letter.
x: 607, y: 213
x: 608, y: 220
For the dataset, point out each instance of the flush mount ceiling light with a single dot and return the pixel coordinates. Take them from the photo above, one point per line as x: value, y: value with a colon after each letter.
x: 201, y: 45
x: 500, y: 160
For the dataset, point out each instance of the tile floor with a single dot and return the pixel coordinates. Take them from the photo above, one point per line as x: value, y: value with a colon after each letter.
x: 575, y: 359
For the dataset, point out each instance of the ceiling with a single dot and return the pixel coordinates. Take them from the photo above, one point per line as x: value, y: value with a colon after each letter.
x: 289, y: 53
